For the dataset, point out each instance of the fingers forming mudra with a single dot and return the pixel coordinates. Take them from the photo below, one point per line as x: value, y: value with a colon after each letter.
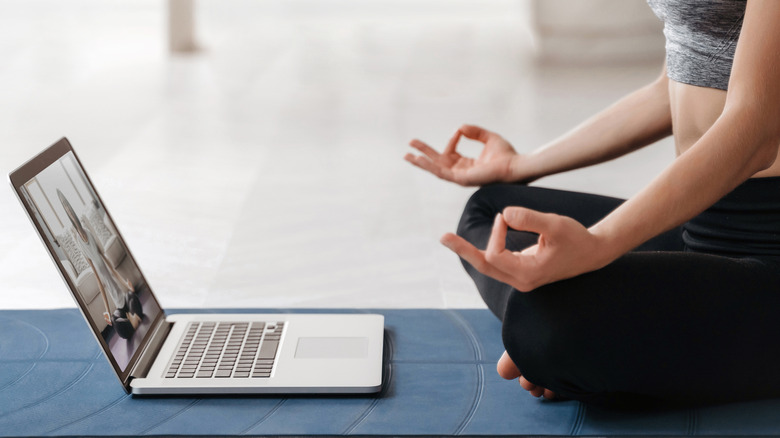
x: 443, y: 164
x: 518, y: 269
x: 494, y: 163
x: 565, y: 249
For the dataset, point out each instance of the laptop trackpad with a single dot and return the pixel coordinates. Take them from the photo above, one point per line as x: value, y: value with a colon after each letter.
x: 331, y: 348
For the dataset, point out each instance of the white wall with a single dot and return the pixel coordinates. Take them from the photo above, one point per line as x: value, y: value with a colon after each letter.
x: 595, y: 31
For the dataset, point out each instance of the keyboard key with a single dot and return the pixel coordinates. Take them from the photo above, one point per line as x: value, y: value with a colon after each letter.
x: 268, y: 350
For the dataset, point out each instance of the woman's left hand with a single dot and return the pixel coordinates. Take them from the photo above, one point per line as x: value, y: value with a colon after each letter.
x: 565, y: 249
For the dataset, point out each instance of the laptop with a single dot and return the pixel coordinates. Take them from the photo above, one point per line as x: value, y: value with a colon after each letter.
x: 153, y: 352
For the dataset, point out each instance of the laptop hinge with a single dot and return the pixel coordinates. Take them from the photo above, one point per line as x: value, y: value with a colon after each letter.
x: 149, y: 353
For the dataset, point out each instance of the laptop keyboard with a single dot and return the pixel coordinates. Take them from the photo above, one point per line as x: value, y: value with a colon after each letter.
x: 226, y: 349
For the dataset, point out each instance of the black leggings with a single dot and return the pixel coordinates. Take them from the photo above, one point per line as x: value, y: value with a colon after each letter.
x: 660, y: 324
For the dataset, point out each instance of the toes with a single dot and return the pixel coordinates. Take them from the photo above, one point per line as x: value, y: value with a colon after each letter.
x: 506, y: 368
x: 528, y: 386
x: 535, y: 390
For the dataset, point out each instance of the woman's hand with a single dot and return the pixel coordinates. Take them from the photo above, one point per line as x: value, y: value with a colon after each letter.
x: 565, y: 249
x: 495, y: 164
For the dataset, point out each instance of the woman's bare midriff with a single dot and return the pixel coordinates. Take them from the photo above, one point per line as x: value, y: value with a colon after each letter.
x: 694, y: 111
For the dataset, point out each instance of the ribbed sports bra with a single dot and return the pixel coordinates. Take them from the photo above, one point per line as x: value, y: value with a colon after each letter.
x: 701, y: 36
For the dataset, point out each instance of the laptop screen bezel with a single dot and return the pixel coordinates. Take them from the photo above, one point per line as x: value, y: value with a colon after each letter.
x: 30, y: 170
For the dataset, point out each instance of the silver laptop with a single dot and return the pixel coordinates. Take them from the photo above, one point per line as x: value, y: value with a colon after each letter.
x: 155, y: 353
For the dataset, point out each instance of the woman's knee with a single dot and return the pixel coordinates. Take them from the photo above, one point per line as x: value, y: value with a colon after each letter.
x: 555, y: 348
x: 485, y: 203
x: 543, y: 342
x: 531, y: 339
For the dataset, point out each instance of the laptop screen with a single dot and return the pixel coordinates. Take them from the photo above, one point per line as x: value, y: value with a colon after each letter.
x: 91, y: 254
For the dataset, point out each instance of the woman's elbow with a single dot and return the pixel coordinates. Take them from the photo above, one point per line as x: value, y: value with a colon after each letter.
x: 756, y: 125
x: 766, y: 156
x: 767, y: 140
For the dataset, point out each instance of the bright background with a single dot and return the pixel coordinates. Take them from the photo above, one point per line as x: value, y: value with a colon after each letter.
x: 265, y: 169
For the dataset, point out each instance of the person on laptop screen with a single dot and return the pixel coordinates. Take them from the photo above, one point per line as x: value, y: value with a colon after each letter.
x: 127, y: 313
x: 86, y: 243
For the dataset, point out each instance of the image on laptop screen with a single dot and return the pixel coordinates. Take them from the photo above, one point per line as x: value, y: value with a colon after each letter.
x: 109, y: 286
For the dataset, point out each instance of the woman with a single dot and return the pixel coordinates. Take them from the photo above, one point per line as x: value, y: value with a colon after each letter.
x: 673, y: 294
x: 128, y: 313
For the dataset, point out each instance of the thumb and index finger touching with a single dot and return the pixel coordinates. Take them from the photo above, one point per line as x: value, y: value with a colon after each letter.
x: 474, y: 132
x: 496, y: 253
x: 471, y: 132
x: 517, y: 218
x: 495, y: 260
x: 525, y: 219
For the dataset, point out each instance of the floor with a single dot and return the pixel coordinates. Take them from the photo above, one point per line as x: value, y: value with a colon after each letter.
x: 266, y: 170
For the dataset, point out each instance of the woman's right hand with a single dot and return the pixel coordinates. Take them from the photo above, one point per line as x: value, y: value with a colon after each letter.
x: 497, y: 162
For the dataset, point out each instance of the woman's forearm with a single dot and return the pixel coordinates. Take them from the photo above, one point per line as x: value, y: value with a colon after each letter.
x: 640, y: 118
x: 743, y: 141
x: 740, y: 144
x: 734, y: 149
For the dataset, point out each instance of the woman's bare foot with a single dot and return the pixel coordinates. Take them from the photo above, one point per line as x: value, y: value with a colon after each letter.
x: 507, y: 369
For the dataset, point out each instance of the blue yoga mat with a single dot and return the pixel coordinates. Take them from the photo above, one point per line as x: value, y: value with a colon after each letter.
x: 440, y: 380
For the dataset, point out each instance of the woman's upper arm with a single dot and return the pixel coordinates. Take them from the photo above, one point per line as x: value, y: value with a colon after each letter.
x: 754, y: 85
x: 663, y: 78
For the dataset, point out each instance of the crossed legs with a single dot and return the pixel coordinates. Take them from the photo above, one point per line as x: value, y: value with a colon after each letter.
x: 658, y: 324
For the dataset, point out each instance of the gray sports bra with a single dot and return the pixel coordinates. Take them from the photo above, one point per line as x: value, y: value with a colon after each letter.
x: 701, y: 36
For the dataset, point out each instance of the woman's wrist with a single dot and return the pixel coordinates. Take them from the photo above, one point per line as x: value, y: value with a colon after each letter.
x: 610, y: 244
x: 521, y: 169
